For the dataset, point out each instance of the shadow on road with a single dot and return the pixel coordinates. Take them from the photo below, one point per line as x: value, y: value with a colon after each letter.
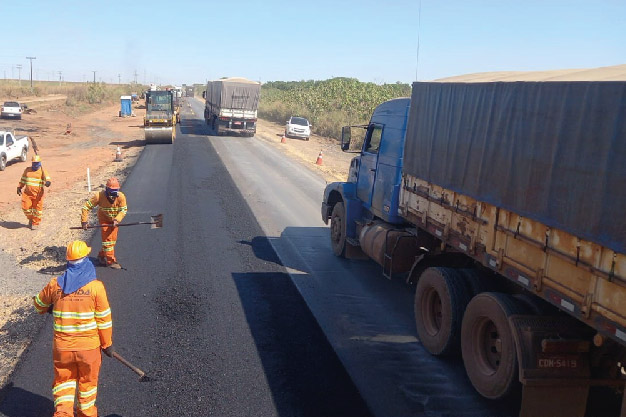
x: 13, y: 225
x: 23, y: 403
x: 302, y: 369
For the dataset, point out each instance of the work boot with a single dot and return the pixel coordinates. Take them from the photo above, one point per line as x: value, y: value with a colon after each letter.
x: 102, y: 261
x: 115, y: 265
x: 30, y: 223
x: 34, y: 226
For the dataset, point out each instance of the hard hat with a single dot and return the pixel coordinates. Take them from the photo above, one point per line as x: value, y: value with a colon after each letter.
x: 112, y: 183
x: 77, y: 250
x: 36, y: 159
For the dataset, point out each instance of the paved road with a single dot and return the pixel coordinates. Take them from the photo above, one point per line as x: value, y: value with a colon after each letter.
x: 238, y: 306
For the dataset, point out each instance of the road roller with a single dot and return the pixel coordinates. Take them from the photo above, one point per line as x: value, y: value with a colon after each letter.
x: 160, y: 120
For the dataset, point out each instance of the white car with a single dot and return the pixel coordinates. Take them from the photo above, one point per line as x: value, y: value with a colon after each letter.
x: 298, y: 127
x: 12, y: 147
x: 11, y: 110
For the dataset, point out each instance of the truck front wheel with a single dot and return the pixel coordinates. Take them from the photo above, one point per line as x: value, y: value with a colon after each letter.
x: 441, y: 297
x: 3, y: 162
x: 487, y: 344
x: 338, y: 229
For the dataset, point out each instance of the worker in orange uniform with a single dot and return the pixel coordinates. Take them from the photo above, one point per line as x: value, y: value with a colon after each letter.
x: 82, y: 328
x: 33, y: 179
x: 112, y: 208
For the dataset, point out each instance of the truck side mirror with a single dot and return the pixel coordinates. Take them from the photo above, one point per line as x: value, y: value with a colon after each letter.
x: 345, y: 138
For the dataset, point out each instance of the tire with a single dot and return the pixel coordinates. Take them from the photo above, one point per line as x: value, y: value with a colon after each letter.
x: 3, y: 162
x: 441, y: 297
x: 24, y: 154
x: 487, y: 344
x: 306, y: 139
x: 338, y: 230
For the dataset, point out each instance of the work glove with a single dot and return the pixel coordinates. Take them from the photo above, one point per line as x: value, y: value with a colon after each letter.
x: 83, y: 225
x: 116, y: 222
x: 108, y: 351
x: 19, y: 191
x: 48, y: 183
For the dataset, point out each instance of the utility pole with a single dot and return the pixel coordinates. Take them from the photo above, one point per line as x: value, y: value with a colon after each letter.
x: 135, y: 76
x: 31, y: 70
x: 19, y: 69
x: 60, y: 72
x: 94, y: 76
x: 119, y: 79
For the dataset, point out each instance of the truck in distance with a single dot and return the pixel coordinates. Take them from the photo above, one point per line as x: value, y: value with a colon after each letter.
x: 504, y: 203
x: 231, y: 105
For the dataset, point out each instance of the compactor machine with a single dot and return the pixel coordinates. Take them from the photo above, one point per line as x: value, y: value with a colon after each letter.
x: 160, y: 120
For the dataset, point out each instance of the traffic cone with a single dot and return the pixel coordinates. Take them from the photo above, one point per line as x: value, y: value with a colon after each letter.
x: 283, y: 140
x: 118, y: 155
x: 319, y: 159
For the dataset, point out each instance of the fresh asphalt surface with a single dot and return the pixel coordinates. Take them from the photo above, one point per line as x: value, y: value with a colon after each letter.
x: 238, y: 307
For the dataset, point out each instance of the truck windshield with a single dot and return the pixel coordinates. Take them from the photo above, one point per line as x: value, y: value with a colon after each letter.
x: 11, y: 104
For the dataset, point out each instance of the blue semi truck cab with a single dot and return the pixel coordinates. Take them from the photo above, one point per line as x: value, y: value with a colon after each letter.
x: 373, y: 187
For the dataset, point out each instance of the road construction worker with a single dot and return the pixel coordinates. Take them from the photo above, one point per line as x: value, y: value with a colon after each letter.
x: 112, y: 208
x: 82, y: 328
x: 33, y: 179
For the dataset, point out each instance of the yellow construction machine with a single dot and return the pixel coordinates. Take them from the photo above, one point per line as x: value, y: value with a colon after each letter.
x: 160, y: 120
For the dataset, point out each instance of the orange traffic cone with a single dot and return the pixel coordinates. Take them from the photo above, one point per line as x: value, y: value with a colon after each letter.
x: 118, y: 155
x: 283, y: 140
x: 319, y: 159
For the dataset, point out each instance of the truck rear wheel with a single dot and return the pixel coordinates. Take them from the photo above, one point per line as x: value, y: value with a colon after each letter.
x: 338, y: 229
x: 440, y: 301
x: 23, y: 154
x: 487, y: 344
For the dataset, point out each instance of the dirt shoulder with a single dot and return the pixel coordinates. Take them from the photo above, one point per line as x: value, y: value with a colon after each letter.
x: 28, y: 258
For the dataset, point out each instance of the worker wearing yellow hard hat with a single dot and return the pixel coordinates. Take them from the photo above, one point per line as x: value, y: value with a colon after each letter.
x: 82, y: 328
x: 33, y: 180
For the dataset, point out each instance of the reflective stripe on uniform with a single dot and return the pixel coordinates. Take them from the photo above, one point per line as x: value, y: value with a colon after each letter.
x: 74, y: 315
x: 105, y: 325
x: 75, y: 328
x: 88, y: 393
x: 66, y: 398
x: 86, y: 405
x: 102, y: 314
x: 40, y: 303
x: 70, y: 384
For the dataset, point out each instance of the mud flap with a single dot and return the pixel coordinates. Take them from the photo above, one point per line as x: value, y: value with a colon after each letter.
x: 553, y: 365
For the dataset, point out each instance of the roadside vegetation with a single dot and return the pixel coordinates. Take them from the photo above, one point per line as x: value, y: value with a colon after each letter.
x: 80, y: 96
x: 328, y: 104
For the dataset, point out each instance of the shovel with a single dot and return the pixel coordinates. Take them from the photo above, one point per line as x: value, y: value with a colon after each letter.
x: 143, y: 377
x: 156, y: 222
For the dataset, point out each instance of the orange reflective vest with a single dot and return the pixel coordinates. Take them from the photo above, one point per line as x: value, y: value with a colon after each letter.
x: 33, y: 181
x: 82, y: 320
x: 107, y: 211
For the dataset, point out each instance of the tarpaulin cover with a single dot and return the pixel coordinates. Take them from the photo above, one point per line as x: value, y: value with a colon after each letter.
x: 233, y: 93
x: 550, y: 151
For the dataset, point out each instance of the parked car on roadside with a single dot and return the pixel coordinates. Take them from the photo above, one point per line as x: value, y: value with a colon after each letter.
x: 11, y: 110
x: 298, y: 127
x: 12, y: 147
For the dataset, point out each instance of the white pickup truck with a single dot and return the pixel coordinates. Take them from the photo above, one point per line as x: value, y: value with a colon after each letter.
x: 12, y: 147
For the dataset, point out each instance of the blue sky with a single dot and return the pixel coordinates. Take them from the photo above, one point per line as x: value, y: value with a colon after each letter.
x: 189, y: 41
